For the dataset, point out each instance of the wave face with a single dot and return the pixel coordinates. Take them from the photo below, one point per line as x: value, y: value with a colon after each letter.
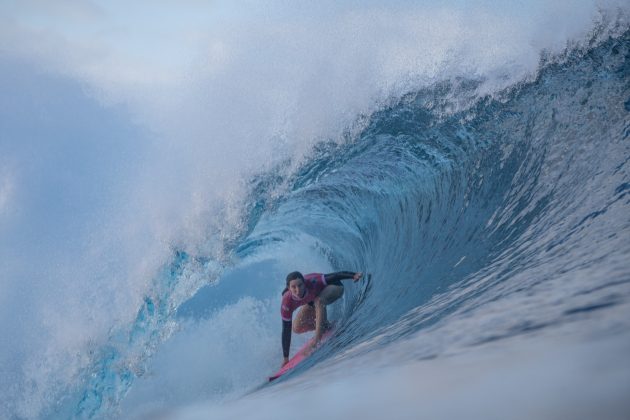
x: 508, y: 221
x: 488, y: 223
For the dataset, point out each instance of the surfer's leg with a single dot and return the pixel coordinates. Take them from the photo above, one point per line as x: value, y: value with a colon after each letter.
x: 331, y: 293
x: 304, y: 320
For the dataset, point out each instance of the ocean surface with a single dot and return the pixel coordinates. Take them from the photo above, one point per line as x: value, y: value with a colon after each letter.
x: 491, y: 208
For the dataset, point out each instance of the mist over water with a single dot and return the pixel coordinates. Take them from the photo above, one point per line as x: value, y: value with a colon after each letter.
x: 424, y: 144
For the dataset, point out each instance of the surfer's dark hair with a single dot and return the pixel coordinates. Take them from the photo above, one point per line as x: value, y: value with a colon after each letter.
x: 294, y: 275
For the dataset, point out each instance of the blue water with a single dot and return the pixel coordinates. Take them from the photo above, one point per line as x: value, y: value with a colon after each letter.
x: 516, y: 207
x: 489, y: 224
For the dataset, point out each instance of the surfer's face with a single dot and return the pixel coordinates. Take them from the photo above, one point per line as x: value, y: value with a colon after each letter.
x: 296, y: 286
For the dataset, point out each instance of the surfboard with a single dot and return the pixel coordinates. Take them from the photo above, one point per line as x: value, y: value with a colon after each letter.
x: 302, y: 354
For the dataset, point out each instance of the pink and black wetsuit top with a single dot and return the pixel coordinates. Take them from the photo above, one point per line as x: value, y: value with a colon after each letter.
x: 314, y: 283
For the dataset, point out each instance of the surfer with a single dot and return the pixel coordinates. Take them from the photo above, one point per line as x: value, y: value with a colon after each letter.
x: 313, y: 291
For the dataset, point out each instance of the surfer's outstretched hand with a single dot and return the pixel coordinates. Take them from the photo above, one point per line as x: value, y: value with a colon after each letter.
x: 357, y: 276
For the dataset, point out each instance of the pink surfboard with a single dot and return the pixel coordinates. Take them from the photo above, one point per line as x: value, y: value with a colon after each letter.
x: 302, y: 354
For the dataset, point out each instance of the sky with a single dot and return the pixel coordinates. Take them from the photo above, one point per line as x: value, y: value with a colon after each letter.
x: 129, y: 42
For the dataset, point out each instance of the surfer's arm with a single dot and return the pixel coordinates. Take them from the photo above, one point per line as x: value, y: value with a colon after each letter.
x: 286, y: 339
x: 343, y: 275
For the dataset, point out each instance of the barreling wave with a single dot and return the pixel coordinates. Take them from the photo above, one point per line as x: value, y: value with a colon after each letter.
x: 501, y: 199
x: 518, y: 203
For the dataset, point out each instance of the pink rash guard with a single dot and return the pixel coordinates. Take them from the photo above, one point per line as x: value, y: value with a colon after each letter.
x: 314, y: 283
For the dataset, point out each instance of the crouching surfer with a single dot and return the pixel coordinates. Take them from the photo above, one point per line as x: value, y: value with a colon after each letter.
x: 313, y: 291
